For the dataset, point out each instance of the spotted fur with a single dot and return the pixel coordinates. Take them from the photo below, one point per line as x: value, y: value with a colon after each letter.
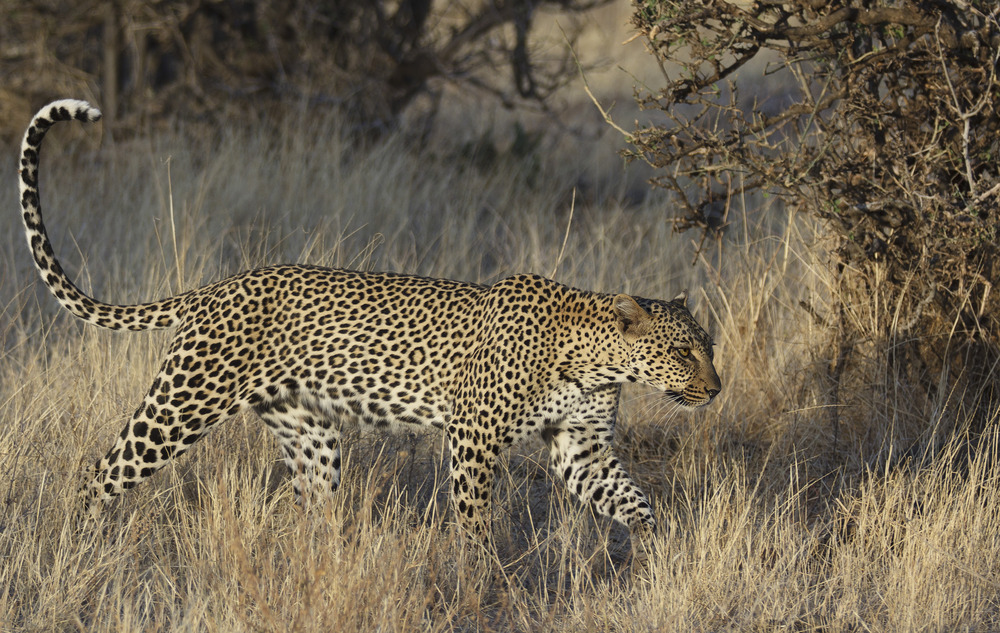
x: 311, y: 348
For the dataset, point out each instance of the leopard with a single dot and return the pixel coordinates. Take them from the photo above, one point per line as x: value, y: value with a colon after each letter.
x: 311, y: 349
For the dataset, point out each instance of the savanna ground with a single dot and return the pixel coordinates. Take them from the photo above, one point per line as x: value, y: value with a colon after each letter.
x: 775, y: 514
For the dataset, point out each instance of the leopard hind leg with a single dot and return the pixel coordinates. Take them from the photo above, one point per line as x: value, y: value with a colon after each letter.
x: 177, y: 411
x: 310, y: 445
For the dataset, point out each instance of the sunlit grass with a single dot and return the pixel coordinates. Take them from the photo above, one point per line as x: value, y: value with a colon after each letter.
x: 771, y: 519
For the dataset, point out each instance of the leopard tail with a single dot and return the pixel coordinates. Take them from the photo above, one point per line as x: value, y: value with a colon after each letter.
x: 149, y: 316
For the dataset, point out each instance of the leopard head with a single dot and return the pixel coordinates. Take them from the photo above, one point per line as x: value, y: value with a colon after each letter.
x: 667, y: 349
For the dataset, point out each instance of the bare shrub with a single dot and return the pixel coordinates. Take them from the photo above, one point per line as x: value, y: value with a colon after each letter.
x: 886, y: 127
x: 208, y: 58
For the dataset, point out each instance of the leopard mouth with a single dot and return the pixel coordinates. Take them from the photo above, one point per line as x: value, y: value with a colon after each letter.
x: 680, y: 398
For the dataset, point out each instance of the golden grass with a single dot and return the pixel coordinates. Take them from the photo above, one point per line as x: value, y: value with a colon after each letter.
x: 771, y: 519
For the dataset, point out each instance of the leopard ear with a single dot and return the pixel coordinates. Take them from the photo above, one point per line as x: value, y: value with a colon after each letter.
x: 681, y: 298
x: 633, y: 321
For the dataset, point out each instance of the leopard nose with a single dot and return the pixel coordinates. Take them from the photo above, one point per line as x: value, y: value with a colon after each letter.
x: 712, y: 393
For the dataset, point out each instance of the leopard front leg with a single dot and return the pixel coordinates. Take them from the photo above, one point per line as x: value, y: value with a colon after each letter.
x: 580, y: 451
x: 473, y: 457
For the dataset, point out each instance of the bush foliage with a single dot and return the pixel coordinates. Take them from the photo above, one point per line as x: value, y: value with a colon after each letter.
x: 887, y: 131
x: 370, y: 57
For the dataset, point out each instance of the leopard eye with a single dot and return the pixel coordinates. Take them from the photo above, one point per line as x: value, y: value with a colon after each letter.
x: 684, y: 352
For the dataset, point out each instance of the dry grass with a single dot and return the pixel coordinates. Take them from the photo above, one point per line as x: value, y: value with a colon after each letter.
x: 772, y: 518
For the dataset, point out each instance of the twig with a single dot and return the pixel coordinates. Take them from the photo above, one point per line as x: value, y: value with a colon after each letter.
x: 966, y: 116
x: 586, y: 88
x: 173, y: 229
x: 569, y: 223
x: 995, y: 189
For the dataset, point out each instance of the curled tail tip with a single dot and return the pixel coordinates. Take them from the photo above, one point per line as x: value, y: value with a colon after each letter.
x: 67, y: 109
